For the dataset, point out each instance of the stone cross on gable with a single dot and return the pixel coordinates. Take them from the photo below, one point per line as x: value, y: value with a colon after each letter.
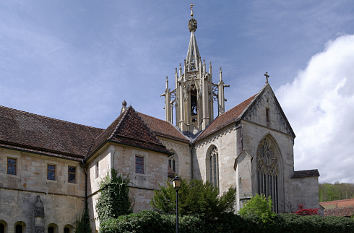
x: 267, y: 77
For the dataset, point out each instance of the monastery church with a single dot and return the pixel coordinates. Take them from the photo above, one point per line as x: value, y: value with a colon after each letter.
x: 50, y: 167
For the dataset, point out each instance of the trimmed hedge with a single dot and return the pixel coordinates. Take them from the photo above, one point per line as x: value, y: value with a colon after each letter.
x: 152, y: 222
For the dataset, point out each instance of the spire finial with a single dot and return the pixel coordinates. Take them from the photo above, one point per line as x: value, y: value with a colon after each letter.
x: 192, y: 24
x: 267, y: 77
x: 191, y: 6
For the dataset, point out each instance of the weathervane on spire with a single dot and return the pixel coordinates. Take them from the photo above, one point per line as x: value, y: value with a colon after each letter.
x: 267, y: 77
x: 191, y: 6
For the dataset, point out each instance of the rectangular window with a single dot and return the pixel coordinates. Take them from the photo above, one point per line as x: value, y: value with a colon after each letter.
x: 97, y: 170
x: 139, y: 164
x: 71, y: 174
x: 11, y: 166
x: 51, y: 172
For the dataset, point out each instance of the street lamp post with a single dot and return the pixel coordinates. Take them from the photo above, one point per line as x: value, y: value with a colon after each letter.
x: 176, y: 185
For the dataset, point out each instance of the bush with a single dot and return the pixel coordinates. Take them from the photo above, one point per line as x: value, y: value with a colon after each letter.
x: 303, y: 212
x: 258, y: 208
x: 150, y: 222
x: 114, y: 199
x: 195, y: 198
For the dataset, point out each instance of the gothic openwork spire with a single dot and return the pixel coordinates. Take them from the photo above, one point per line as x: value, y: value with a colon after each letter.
x: 190, y: 105
x: 193, y: 56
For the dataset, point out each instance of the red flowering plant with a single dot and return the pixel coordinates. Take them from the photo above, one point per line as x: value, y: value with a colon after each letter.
x: 301, y: 211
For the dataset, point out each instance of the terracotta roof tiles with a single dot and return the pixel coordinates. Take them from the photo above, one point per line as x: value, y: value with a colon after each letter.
x: 227, y: 118
x: 163, y: 128
x: 130, y: 129
x: 32, y: 132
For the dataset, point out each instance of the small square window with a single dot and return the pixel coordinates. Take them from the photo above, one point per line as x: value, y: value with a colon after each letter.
x: 11, y: 166
x: 71, y: 174
x: 51, y: 172
x: 139, y: 164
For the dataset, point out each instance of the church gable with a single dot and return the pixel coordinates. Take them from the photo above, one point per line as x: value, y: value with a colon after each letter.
x: 265, y: 110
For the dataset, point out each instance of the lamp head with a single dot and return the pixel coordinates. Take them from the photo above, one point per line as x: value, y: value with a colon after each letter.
x: 176, y: 183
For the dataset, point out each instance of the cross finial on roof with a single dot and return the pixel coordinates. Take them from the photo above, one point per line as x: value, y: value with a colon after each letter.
x: 191, y: 6
x: 267, y: 77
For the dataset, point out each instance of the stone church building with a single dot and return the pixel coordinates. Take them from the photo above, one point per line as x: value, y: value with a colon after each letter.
x: 49, y: 167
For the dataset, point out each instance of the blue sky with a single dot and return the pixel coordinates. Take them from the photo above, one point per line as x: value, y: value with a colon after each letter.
x: 78, y: 60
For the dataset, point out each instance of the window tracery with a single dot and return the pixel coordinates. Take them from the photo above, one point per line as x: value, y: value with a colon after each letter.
x: 268, y: 170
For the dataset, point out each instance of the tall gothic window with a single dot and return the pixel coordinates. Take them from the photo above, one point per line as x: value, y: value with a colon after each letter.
x: 268, y: 170
x: 213, y: 166
x: 172, y: 166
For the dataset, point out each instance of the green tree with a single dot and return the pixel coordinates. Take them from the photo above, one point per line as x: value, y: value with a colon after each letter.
x: 195, y: 198
x: 114, y: 197
x: 258, y: 208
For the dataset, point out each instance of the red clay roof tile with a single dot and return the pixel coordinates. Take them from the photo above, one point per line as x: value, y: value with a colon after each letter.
x: 33, y: 132
x: 163, y: 128
x: 227, y: 118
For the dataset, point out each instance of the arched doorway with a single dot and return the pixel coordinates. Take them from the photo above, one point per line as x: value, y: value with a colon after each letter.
x: 20, y: 227
x: 52, y: 228
x: 3, y: 226
x: 68, y: 229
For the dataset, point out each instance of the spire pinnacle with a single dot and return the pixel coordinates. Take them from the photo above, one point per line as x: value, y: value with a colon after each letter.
x: 191, y: 6
x: 193, y: 56
x: 192, y: 24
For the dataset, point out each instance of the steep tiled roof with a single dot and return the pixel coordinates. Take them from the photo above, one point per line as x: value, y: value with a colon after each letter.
x: 338, y: 203
x: 40, y: 134
x: 306, y: 173
x: 343, y: 212
x: 227, y: 118
x: 163, y: 128
x: 129, y: 129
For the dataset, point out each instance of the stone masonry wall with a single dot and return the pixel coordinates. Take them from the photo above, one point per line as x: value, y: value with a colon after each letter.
x: 225, y: 142
x: 183, y: 153
x: 122, y: 158
x: 63, y: 202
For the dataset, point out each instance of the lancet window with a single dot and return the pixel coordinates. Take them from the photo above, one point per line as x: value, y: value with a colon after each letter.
x: 172, y: 166
x: 268, y: 170
x: 213, y: 166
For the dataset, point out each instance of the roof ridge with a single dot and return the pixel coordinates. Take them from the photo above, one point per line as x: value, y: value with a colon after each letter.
x: 120, y: 122
x: 49, y: 118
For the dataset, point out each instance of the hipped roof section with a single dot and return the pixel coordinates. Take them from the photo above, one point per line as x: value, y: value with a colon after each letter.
x: 129, y: 129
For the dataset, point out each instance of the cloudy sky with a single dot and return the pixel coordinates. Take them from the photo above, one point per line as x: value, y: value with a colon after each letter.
x: 78, y: 60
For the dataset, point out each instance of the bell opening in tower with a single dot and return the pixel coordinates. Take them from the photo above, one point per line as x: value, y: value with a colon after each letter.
x: 194, y: 104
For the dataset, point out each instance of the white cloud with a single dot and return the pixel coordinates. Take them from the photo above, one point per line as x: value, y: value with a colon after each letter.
x: 319, y: 104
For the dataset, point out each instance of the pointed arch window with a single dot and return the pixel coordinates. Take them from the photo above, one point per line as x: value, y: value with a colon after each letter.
x: 213, y: 166
x: 172, y: 165
x: 268, y: 169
